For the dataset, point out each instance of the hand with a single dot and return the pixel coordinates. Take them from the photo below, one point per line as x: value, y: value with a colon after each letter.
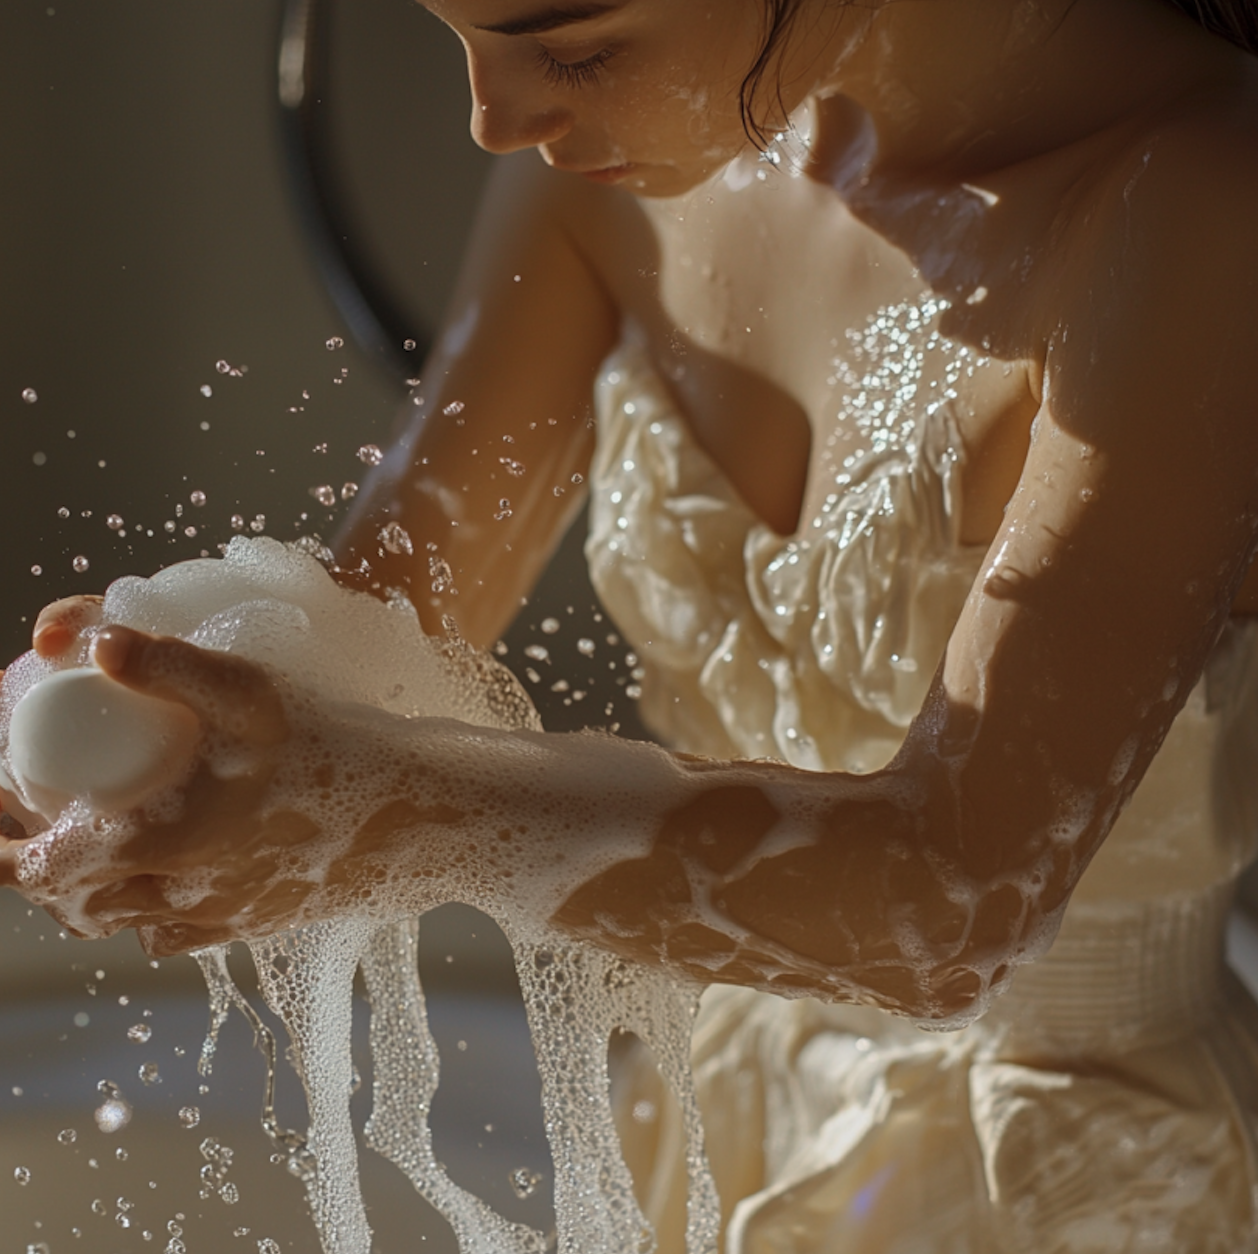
x: 213, y: 869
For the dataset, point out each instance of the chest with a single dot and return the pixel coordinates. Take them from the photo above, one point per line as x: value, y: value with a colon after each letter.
x: 796, y: 340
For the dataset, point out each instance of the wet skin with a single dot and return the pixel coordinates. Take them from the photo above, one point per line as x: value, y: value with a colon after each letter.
x: 1046, y: 192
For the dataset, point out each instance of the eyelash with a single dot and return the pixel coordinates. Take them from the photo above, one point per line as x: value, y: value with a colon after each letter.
x: 573, y: 74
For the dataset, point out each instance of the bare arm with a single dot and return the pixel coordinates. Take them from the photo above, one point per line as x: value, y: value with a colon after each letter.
x: 488, y: 470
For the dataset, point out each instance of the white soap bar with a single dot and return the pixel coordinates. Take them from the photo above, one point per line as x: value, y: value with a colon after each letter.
x: 80, y: 734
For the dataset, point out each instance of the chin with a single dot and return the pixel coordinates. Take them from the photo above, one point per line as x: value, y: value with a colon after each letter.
x: 663, y: 182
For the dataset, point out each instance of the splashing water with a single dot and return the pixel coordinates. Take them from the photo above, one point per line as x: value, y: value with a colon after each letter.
x: 278, y: 606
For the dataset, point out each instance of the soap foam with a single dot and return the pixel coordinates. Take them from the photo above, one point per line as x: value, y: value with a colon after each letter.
x: 349, y: 666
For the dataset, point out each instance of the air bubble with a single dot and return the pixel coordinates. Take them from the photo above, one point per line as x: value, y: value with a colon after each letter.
x: 349, y: 491
x: 22, y: 1175
x: 325, y: 494
x: 140, y: 1032
x: 189, y: 1116
x: 585, y: 646
x: 67, y: 1136
x: 370, y: 455
x: 512, y: 466
x: 197, y: 498
x: 115, y: 522
x: 409, y: 345
x: 524, y: 1182
x: 453, y: 408
x: 29, y: 395
x: 80, y: 564
x: 37, y: 570
x: 334, y: 342
x: 150, y: 1074
x: 550, y: 626
x: 206, y: 390
x: 504, y: 510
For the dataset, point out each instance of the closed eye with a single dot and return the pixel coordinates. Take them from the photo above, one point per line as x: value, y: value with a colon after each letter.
x: 582, y: 73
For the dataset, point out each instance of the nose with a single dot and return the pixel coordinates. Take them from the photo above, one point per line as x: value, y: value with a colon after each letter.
x: 507, y: 116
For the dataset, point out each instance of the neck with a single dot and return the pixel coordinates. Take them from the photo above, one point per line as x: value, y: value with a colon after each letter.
x: 954, y: 89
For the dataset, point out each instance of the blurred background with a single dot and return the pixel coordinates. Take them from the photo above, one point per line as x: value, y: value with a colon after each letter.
x: 181, y: 359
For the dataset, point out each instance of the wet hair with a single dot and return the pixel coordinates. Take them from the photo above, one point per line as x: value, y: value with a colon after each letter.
x: 1233, y: 20
x: 779, y: 17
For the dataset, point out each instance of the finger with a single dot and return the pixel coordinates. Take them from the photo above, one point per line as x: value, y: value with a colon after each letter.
x: 225, y: 692
x: 60, y: 624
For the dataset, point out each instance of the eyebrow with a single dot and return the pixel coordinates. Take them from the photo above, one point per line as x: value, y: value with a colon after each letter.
x: 550, y: 19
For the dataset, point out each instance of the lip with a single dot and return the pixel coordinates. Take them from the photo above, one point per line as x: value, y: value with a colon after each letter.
x: 608, y: 174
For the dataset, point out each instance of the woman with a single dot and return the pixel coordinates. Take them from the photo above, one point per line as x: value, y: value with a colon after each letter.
x: 955, y: 375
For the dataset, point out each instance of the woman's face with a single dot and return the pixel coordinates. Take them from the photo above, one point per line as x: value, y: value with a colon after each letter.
x: 643, y: 93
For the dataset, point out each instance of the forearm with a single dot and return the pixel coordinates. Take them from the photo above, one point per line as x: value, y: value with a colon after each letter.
x: 748, y: 873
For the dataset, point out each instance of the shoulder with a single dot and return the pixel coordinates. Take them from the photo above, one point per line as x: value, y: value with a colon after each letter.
x: 1159, y: 273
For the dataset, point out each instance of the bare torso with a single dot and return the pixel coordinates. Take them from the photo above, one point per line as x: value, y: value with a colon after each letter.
x: 745, y: 290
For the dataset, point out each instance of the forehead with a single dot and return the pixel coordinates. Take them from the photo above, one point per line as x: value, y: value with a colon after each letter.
x: 525, y: 17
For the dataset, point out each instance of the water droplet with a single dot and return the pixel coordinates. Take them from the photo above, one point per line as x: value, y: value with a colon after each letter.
x: 22, y: 1175
x: 349, y: 491
x: 550, y: 625
x: 370, y: 455
x: 189, y: 1116
x: 37, y: 570
x: 140, y: 1032
x: 80, y: 564
x: 114, y: 522
x: 115, y: 1111
x: 394, y: 538
x: 334, y: 342
x: 539, y: 653
x: 197, y: 498
x: 149, y: 1073
x: 524, y: 1182
x: 67, y: 1136
x: 206, y: 390
x: 585, y: 646
x: 441, y: 574
x: 40, y: 459
x: 325, y: 494
x: 29, y: 395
